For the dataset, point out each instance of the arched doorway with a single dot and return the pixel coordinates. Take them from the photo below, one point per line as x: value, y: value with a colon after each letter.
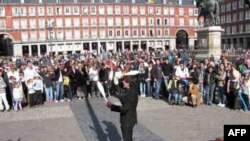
x: 181, y: 39
x: 6, y: 45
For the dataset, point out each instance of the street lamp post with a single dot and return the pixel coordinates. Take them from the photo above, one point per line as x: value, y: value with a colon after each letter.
x: 50, y: 28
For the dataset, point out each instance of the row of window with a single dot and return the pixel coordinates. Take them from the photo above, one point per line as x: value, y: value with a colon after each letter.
x: 227, y: 7
x: 59, y: 35
x: 234, y: 17
x: 101, y: 10
x: 241, y: 28
x: 103, y: 22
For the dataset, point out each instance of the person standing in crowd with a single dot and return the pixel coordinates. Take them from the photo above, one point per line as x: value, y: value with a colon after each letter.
x: 86, y: 84
x: 233, y: 85
x: 149, y: 79
x: 167, y: 70
x: 17, y: 96
x: 94, y: 78
x: 221, y: 79
x: 157, y: 76
x: 59, y: 83
x: 81, y: 81
x: 30, y: 72
x: 3, y: 93
x: 73, y: 78
x: 202, y: 72
x: 209, y: 82
x: 48, y: 84
x: 117, y: 77
x: 142, y: 79
x: 246, y: 92
x: 128, y: 114
x: 182, y: 73
x: 31, y: 92
x: 38, y: 87
x: 104, y: 76
x: 67, y: 82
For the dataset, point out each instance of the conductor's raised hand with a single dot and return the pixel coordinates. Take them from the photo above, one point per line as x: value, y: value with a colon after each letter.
x: 109, y: 104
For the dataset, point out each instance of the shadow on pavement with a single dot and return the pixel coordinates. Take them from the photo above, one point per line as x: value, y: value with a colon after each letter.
x: 19, y: 139
x: 111, y: 134
x: 112, y: 131
x: 97, y: 127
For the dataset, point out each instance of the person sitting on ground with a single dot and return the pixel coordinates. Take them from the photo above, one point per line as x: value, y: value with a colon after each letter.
x: 193, y: 96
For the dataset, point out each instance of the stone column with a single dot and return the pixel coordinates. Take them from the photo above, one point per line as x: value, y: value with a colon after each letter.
x: 17, y: 50
x: 30, y: 51
x: 147, y: 46
x: 139, y: 45
x: 90, y: 46
x: 131, y: 45
x: 122, y: 46
x: 172, y: 44
x: 107, y: 45
x: 115, y: 48
x: 38, y: 50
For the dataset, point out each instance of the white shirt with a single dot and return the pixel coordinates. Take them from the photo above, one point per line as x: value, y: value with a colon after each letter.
x: 93, y: 75
x: 18, y: 93
x: 31, y: 88
x: 30, y: 73
x: 117, y: 76
x: 14, y: 74
x: 60, y: 77
x: 182, y: 73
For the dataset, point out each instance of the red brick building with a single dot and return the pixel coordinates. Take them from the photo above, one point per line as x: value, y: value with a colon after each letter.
x: 235, y: 19
x: 67, y: 26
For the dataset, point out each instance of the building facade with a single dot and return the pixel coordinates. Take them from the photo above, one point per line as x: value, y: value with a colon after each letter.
x: 75, y: 26
x: 235, y: 19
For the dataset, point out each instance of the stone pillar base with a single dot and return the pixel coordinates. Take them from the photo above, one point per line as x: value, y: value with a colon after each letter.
x: 209, y: 42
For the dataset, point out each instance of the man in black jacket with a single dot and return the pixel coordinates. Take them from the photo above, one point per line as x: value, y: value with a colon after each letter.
x: 104, y: 77
x: 128, y: 115
x: 167, y: 70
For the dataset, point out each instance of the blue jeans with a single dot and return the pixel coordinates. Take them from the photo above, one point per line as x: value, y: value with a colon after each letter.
x: 210, y: 93
x: 222, y: 94
x: 203, y: 91
x: 49, y: 93
x: 165, y: 79
x: 59, y: 91
x: 142, y: 88
x: 178, y: 97
x: 157, y: 89
x: 149, y: 88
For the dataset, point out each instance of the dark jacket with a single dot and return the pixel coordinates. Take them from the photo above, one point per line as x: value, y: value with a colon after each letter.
x: 128, y: 114
x: 47, y: 80
x: 154, y: 72
x: 104, y: 74
x: 212, y: 78
x: 147, y: 72
x: 167, y: 69
x: 57, y: 74
x: 81, y: 78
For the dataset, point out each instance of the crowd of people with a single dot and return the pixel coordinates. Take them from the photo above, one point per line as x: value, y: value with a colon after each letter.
x: 177, y: 75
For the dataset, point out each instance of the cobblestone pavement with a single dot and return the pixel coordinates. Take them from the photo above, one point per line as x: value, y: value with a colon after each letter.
x: 90, y: 120
x: 48, y: 123
x: 98, y: 123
